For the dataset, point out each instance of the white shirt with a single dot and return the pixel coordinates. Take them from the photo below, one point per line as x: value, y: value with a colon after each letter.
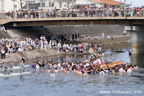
x: 102, y: 73
x: 20, y: 49
x: 129, y: 71
x: 37, y: 66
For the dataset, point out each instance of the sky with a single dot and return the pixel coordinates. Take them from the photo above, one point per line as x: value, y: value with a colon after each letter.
x: 135, y: 3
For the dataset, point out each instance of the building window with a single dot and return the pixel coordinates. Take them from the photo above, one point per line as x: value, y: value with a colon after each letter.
x: 60, y: 4
x: 15, y: 6
x: 30, y: 2
x: 51, y: 4
x: 67, y: 5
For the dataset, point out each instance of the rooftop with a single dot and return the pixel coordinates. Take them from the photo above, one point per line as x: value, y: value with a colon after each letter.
x: 109, y: 2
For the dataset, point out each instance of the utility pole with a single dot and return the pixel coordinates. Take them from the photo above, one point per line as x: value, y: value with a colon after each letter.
x: 2, y: 5
x: 121, y: 3
x: 42, y: 4
x: 20, y: 3
x: 125, y: 8
x: 98, y: 3
x: 131, y: 4
x: 27, y: 4
x: 13, y: 9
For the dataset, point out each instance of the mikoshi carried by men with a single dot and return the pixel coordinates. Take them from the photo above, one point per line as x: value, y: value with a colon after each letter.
x: 96, y: 60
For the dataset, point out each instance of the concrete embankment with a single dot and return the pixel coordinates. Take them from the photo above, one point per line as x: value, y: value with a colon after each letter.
x: 116, y: 40
x: 25, y: 31
x: 28, y: 55
x: 94, y: 30
x: 117, y: 43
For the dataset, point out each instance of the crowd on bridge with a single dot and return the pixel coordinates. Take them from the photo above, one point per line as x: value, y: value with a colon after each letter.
x: 77, y: 12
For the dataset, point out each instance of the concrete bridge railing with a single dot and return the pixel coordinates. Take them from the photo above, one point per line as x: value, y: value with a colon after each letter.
x: 70, y: 13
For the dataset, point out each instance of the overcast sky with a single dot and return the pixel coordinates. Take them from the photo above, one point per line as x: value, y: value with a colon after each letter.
x: 134, y: 2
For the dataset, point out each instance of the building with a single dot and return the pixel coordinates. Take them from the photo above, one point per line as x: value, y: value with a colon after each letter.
x: 99, y: 3
x: 47, y: 4
x: 63, y: 4
x: 30, y: 6
x: 85, y: 3
x: 9, y: 5
x: 24, y: 2
x: 58, y: 4
x: 108, y: 3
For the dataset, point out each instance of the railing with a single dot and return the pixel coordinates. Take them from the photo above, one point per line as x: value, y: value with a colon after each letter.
x: 55, y: 14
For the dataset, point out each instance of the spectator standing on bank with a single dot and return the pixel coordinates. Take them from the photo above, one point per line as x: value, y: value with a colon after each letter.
x: 100, y: 47
x: 103, y: 35
x: 124, y: 33
x: 3, y: 53
x: 3, y: 29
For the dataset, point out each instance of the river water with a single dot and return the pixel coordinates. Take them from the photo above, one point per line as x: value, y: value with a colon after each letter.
x: 39, y: 83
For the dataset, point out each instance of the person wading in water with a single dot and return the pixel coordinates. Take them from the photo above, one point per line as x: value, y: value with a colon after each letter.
x: 21, y: 66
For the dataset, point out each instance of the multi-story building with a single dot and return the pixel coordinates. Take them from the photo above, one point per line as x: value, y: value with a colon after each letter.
x: 102, y: 3
x: 64, y: 4
x: 9, y: 5
x: 24, y: 2
x: 47, y: 4
x: 85, y: 3
x: 58, y: 4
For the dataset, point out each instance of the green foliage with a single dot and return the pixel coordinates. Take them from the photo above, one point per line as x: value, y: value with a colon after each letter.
x: 78, y: 6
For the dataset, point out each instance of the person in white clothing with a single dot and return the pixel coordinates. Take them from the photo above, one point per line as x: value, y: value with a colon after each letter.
x: 20, y: 49
x: 37, y: 66
x: 102, y: 72
x: 124, y: 33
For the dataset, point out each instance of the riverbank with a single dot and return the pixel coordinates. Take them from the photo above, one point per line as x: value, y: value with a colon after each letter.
x: 28, y: 55
x: 34, y: 54
x: 117, y: 42
x: 116, y: 39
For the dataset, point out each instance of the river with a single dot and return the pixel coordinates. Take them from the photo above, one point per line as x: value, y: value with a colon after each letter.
x: 39, y: 83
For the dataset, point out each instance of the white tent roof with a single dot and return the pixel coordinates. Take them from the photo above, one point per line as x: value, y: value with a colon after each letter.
x: 84, y: 2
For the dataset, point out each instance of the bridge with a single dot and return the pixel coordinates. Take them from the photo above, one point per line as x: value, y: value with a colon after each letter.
x: 133, y: 24
x: 72, y: 21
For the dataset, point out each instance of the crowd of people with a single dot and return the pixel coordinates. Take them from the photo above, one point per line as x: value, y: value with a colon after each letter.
x: 5, y: 68
x: 85, y: 68
x: 79, y: 12
x: 58, y: 42
x: 80, y: 68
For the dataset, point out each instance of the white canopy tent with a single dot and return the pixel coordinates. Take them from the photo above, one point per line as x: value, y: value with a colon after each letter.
x: 84, y: 2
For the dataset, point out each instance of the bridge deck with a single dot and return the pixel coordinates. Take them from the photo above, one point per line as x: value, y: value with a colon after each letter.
x: 137, y: 20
